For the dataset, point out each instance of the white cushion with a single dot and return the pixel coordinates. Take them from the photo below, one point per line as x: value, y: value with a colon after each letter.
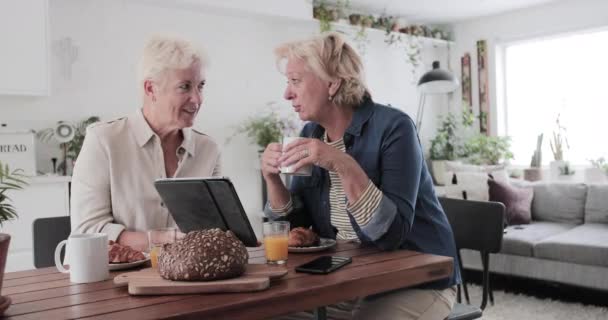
x: 559, y: 202
x: 497, y: 171
x: 473, y: 184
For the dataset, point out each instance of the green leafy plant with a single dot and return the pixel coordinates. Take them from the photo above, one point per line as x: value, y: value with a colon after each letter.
x: 411, y: 46
x: 447, y: 144
x: 566, y: 170
x: 443, y: 146
x: 326, y: 15
x: 361, y: 39
x: 9, y: 180
x: 489, y: 150
x: 74, y: 145
x: 266, y: 128
x: 600, y: 163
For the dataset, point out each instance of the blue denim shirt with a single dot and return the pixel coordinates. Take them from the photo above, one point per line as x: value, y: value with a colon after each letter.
x: 384, y: 142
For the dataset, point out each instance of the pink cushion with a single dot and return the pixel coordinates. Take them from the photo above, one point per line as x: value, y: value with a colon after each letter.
x: 517, y: 200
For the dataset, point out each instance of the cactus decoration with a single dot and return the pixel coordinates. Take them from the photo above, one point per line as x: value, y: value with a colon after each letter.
x: 537, y: 158
x: 559, y: 138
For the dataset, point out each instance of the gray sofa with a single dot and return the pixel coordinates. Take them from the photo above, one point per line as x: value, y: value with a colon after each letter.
x: 566, y: 242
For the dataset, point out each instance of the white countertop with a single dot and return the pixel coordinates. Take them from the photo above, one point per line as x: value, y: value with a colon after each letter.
x: 49, y: 179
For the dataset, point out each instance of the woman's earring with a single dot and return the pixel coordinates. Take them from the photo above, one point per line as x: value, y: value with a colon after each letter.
x: 330, y: 98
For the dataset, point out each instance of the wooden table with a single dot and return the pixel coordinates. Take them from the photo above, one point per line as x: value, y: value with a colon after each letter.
x: 47, y: 294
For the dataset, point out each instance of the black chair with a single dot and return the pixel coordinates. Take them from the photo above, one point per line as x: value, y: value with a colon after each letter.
x: 47, y: 233
x: 477, y: 225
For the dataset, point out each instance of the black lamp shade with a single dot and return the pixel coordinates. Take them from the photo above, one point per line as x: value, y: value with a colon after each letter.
x: 437, y: 81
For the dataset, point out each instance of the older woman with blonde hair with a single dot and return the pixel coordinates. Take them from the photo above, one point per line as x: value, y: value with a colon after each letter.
x: 113, y: 183
x: 369, y: 181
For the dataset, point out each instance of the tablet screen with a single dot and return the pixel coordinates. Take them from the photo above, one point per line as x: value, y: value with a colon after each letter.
x: 206, y: 203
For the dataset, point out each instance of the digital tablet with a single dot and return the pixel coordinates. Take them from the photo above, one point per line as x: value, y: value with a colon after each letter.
x: 206, y: 203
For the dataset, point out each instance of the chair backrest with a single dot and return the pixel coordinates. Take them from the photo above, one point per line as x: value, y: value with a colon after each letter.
x: 477, y: 225
x: 47, y: 233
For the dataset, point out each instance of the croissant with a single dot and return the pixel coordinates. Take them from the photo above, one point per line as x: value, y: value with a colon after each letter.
x: 303, y: 237
x: 118, y: 253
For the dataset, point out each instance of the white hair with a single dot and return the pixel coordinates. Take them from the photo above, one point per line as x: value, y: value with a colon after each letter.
x: 163, y: 52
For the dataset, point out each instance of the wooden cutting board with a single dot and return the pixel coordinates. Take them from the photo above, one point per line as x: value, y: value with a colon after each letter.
x: 149, y: 282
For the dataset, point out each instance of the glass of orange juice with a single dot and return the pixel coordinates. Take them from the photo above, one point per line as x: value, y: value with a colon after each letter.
x: 276, y: 238
x: 156, y: 239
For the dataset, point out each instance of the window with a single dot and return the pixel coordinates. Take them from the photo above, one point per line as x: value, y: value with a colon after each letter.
x: 565, y: 76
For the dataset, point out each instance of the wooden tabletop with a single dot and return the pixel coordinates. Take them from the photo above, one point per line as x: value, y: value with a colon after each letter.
x: 48, y: 294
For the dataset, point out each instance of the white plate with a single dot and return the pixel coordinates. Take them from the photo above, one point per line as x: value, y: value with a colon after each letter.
x: 324, y: 244
x: 127, y: 265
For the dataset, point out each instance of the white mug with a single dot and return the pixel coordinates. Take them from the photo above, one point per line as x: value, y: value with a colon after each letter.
x: 303, y: 171
x: 88, y: 254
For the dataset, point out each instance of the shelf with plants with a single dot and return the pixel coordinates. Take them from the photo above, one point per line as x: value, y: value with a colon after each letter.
x: 339, y: 14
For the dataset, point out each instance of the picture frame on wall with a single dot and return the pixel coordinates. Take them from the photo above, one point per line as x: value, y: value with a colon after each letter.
x: 484, y: 96
x: 467, y: 95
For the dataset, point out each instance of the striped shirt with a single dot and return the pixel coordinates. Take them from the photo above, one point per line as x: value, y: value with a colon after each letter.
x: 362, y: 210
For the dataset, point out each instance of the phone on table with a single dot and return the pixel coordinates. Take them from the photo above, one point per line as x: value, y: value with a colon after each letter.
x: 324, y: 264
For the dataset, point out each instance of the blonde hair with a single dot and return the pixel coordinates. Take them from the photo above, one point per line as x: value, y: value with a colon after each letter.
x: 163, y: 52
x: 330, y: 58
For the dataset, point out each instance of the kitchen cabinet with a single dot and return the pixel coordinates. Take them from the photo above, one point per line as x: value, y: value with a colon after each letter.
x: 45, y: 196
x: 24, y: 58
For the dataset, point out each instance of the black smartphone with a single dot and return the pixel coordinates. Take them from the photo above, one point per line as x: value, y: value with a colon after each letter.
x: 324, y: 264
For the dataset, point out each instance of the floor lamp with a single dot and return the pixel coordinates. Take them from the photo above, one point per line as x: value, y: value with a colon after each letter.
x: 432, y: 82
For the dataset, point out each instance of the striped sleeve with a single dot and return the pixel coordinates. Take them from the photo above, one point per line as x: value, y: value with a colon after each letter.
x: 363, y: 209
x: 284, y: 210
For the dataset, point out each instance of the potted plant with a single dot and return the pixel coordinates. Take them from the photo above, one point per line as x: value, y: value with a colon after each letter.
x: 566, y: 172
x: 325, y: 15
x: 598, y: 173
x: 534, y: 173
x: 72, y: 147
x: 488, y: 150
x: 447, y: 144
x: 367, y: 21
x: 558, y: 142
x: 9, y: 181
x: 354, y: 19
x: 266, y: 128
x: 75, y: 145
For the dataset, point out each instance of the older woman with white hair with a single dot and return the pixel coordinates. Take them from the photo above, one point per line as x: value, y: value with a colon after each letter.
x: 113, y: 183
x: 369, y: 181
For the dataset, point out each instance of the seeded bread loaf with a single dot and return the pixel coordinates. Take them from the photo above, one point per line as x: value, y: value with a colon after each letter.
x: 203, y: 255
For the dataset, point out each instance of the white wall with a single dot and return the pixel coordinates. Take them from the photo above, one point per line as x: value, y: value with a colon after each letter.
x: 242, y: 77
x: 554, y: 18
x: 299, y: 9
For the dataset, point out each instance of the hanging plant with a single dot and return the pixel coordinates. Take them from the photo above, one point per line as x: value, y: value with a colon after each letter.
x: 326, y: 14
x: 361, y: 40
x: 412, y: 47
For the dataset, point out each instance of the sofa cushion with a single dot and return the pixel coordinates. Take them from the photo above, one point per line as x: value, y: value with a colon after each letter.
x: 468, y: 186
x: 585, y: 244
x: 520, y: 240
x: 596, y: 207
x: 559, y: 202
x: 517, y: 201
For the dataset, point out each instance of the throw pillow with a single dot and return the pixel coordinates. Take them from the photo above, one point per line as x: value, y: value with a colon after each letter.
x: 499, y: 171
x: 468, y: 186
x: 518, y: 201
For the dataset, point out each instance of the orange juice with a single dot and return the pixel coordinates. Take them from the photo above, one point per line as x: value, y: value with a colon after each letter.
x: 276, y: 248
x: 154, y: 252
